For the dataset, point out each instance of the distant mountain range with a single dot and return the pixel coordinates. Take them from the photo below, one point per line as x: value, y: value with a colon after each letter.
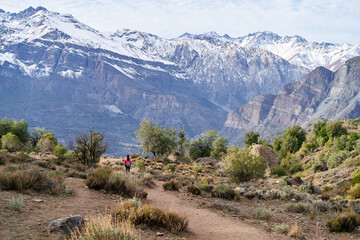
x: 59, y: 73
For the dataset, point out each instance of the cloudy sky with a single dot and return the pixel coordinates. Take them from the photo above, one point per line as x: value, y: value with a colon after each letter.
x: 335, y: 21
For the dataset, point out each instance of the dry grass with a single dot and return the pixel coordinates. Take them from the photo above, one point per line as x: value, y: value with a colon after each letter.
x: 172, y: 185
x: 295, y: 231
x: 261, y: 213
x: 32, y: 179
x: 117, y: 183
x: 150, y: 216
x: 103, y: 228
x: 223, y: 191
x: 344, y: 222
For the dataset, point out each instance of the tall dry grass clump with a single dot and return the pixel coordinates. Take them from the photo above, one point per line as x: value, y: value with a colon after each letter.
x: 137, y: 214
x: 103, y: 228
x: 32, y: 179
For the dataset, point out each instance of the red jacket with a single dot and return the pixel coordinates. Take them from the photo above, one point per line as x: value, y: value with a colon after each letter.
x: 126, y: 160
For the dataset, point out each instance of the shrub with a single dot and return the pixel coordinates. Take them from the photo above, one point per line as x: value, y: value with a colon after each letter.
x: 3, y: 157
x: 344, y: 222
x: 150, y: 216
x: 171, y: 167
x: 261, y: 213
x: 282, y: 228
x: 197, y: 167
x: 58, y: 176
x: 219, y: 148
x: 88, y: 150
x: 47, y: 143
x: 337, y: 158
x: 33, y: 179
x: 298, y: 208
x: 242, y: 166
x: 294, y: 231
x: 307, y: 188
x: 223, y: 191
x: 104, y: 178
x: 354, y: 191
x: 15, y: 204
x: 103, y: 228
x: 60, y: 151
x: 251, y: 138
x: 278, y: 170
x: 172, y: 185
x: 321, y: 206
x: 355, y: 177
x: 335, y: 129
x: 70, y: 155
x: 193, y: 189
x: 148, y: 180
x: 141, y: 165
x: 11, y: 142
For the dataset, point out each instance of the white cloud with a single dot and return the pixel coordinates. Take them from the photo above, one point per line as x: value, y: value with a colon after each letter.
x: 320, y: 20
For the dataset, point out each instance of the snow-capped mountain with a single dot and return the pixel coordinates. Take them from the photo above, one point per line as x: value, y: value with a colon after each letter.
x: 58, y: 72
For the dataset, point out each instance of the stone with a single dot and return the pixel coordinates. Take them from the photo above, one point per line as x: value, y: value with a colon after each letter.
x: 268, y: 154
x: 159, y: 234
x: 67, y: 224
x: 37, y: 200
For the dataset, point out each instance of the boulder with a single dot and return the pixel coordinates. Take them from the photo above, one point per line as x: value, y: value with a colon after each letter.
x: 67, y: 224
x: 268, y: 154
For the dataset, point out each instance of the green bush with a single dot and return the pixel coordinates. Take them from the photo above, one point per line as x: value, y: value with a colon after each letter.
x: 344, y: 222
x: 47, y: 143
x: 171, y: 167
x: 60, y: 151
x: 15, y: 204
x: 197, y: 167
x: 251, y: 138
x: 141, y: 166
x: 355, y: 177
x: 354, y: 191
x: 89, y: 149
x: 282, y: 228
x: 172, y: 185
x: 307, y: 188
x: 194, y: 189
x: 223, y: 191
x: 290, y: 141
x: 261, y: 213
x: 278, y: 170
x: 242, y: 166
x: 337, y: 158
x: 335, y: 129
x: 11, y: 142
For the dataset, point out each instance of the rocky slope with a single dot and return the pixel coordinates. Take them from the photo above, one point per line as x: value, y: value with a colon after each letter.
x: 320, y: 94
x: 62, y: 74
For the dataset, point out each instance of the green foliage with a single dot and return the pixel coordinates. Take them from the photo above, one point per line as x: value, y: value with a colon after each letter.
x: 5, y: 126
x: 182, y: 142
x: 15, y: 204
x: 354, y: 191
x: 307, y: 188
x: 90, y: 148
x: 298, y: 208
x: 203, y: 146
x: 171, y: 167
x: 38, y: 133
x: 11, y: 142
x: 197, y: 167
x: 344, y: 222
x: 140, y: 165
x: 319, y: 130
x: 355, y: 177
x: 219, y: 148
x: 60, y: 150
x: 335, y: 129
x: 290, y: 141
x: 223, y: 191
x: 282, y: 228
x: 155, y: 139
x: 242, y: 166
x: 47, y: 143
x: 194, y: 189
x: 261, y: 213
x: 278, y: 170
x: 20, y: 129
x: 172, y: 185
x: 251, y: 138
x: 337, y: 158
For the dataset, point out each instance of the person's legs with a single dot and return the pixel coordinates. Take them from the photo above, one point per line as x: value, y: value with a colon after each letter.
x: 128, y: 169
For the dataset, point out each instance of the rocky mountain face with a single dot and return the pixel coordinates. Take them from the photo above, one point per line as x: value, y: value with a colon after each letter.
x: 320, y: 94
x: 59, y: 73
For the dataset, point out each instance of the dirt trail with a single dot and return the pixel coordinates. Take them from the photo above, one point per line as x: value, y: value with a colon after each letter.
x: 203, y: 223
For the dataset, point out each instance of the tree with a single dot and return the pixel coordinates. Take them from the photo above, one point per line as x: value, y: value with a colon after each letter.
x: 181, y: 142
x: 5, y: 126
x: 251, y: 138
x: 155, y: 139
x: 60, y: 151
x: 335, y: 129
x: 202, y: 147
x: 89, y: 149
x: 38, y: 133
x: 20, y: 129
x: 11, y: 142
x: 219, y: 147
x: 290, y: 141
x: 47, y: 143
x: 243, y: 166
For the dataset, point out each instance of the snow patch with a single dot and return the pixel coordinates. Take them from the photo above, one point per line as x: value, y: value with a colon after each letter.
x: 114, y: 109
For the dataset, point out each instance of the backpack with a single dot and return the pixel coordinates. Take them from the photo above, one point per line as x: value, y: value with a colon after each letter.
x: 127, y: 163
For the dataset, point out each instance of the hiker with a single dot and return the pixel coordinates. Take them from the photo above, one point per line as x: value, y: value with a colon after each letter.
x: 127, y: 163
